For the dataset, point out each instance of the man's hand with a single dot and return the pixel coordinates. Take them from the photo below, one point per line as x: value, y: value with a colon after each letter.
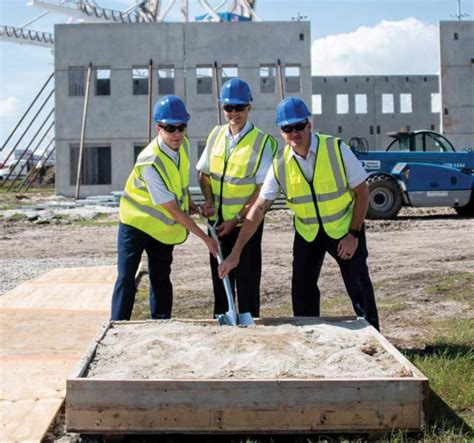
x: 226, y: 227
x: 193, y: 208
x: 211, y: 245
x: 347, y: 247
x: 228, y: 264
x: 207, y: 209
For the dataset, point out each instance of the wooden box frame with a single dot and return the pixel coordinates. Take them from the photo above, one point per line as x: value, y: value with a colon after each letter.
x: 368, y: 405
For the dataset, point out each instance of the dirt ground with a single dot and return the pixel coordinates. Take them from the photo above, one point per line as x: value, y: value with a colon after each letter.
x: 421, y: 265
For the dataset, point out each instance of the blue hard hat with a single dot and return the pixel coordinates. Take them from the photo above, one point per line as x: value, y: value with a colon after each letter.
x: 170, y: 110
x: 291, y: 110
x: 235, y: 92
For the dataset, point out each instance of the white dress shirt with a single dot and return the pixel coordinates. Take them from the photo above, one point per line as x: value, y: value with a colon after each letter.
x: 159, y: 193
x: 203, y: 165
x: 355, y: 173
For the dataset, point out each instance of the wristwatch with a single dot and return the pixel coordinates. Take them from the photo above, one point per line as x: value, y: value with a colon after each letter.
x: 239, y: 218
x: 354, y: 232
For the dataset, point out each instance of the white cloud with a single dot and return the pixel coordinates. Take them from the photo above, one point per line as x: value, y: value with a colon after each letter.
x: 8, y: 106
x: 403, y: 47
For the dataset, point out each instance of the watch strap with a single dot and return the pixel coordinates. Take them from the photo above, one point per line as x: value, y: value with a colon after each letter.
x: 354, y: 232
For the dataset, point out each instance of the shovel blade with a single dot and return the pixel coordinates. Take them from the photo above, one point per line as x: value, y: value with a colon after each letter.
x: 246, y: 319
x: 226, y: 319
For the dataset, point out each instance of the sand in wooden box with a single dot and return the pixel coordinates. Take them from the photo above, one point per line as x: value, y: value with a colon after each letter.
x: 283, y: 375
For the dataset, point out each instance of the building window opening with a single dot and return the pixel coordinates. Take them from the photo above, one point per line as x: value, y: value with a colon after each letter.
x: 267, y: 79
x: 102, y: 81
x: 361, y: 103
x: 204, y: 79
x: 342, y: 103
x: 77, y: 81
x: 165, y: 80
x: 137, y: 148
x: 96, y: 165
x: 140, y: 80
x: 229, y: 72
x: 316, y: 102
x: 435, y: 102
x: 387, y: 104
x: 292, y: 79
x: 405, y: 104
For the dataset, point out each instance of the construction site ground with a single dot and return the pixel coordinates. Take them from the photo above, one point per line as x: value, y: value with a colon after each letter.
x: 421, y: 264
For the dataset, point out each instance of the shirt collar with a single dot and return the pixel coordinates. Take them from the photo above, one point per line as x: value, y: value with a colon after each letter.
x: 166, y: 149
x: 313, y: 147
x: 247, y: 127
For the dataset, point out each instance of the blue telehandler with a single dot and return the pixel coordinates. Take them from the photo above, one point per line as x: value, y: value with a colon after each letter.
x: 419, y: 169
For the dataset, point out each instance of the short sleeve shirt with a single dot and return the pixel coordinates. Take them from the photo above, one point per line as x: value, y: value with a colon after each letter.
x: 159, y: 193
x: 355, y: 172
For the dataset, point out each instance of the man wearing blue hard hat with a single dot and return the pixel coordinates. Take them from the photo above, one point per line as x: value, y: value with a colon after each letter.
x: 231, y: 171
x: 324, y: 185
x: 154, y: 213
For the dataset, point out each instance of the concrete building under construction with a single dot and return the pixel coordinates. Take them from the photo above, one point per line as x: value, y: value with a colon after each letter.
x: 137, y: 58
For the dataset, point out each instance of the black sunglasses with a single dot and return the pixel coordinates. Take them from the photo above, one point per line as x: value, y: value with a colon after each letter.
x: 171, y: 128
x: 288, y: 129
x: 236, y: 108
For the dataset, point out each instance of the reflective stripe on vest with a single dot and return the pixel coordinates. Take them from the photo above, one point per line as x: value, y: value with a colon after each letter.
x: 233, y: 178
x: 150, y: 211
x: 136, y: 206
x: 334, y: 206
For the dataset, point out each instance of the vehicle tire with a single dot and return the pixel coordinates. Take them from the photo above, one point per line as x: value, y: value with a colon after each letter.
x: 385, y: 198
x: 468, y: 210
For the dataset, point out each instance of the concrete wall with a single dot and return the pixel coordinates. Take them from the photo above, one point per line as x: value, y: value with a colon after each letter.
x: 119, y: 120
x: 374, y: 124
x: 457, y: 81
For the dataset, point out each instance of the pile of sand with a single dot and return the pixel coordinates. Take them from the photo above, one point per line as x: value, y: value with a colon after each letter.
x: 187, y: 350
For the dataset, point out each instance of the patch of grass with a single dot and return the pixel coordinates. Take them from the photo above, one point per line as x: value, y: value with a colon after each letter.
x: 448, y: 363
x: 336, y: 306
x: 17, y: 217
x: 280, y: 310
x: 141, y: 307
x: 93, y: 222
x: 391, y: 305
x: 458, y: 286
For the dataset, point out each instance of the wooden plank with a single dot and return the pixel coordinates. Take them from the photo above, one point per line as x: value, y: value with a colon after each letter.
x: 241, y: 406
x: 64, y: 289
x: 45, y: 326
x: 32, y: 392
x: 25, y: 333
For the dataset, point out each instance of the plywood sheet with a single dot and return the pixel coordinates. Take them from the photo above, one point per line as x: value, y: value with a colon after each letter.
x: 46, y: 325
x: 65, y: 288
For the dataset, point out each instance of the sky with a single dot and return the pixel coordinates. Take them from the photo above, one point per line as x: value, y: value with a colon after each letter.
x: 349, y: 37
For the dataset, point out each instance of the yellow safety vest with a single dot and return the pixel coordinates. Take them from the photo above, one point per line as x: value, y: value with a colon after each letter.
x: 137, y: 208
x: 233, y: 178
x: 329, y: 193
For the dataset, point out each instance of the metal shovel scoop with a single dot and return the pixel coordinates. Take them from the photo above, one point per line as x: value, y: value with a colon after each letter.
x: 230, y: 318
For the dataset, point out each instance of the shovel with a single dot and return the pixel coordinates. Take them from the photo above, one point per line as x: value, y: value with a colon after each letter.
x: 230, y: 318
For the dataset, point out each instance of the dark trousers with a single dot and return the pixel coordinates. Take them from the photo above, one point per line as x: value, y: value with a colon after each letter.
x: 246, y: 276
x: 308, y: 259
x: 131, y: 244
